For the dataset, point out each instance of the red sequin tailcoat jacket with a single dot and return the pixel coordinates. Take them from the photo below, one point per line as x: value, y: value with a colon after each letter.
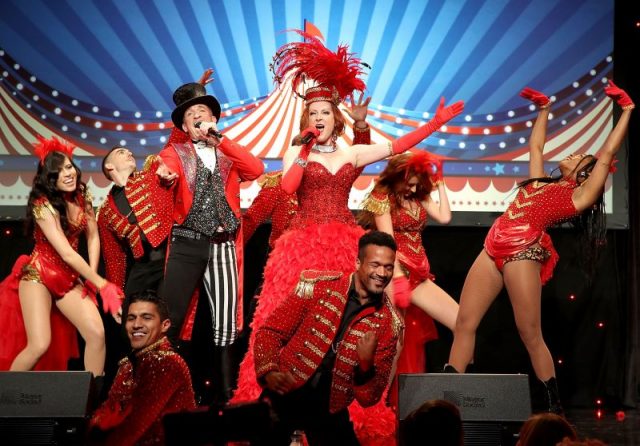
x: 300, y: 332
x: 152, y: 204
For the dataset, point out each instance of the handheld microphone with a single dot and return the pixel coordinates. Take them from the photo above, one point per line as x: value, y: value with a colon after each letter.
x: 211, y: 131
x: 311, y: 133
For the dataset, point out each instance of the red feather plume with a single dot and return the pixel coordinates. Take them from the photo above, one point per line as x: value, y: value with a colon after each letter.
x: 45, y: 146
x: 422, y: 162
x: 313, y: 61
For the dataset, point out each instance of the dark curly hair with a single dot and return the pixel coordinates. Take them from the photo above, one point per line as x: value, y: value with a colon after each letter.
x: 392, y: 181
x: 44, y: 185
x: 592, y: 222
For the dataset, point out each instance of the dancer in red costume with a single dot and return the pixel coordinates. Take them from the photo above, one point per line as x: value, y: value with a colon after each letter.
x: 518, y: 253
x: 323, y: 235
x: 58, y: 212
x: 400, y: 204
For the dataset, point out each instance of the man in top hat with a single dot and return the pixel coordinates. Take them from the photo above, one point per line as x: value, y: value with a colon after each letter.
x: 205, y: 173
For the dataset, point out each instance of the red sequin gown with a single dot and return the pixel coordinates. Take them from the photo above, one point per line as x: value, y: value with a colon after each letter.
x: 45, y: 266
x: 536, y: 207
x: 323, y: 235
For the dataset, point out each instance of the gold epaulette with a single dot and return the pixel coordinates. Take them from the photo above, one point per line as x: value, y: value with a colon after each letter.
x: 88, y: 196
x: 148, y: 161
x: 376, y: 203
x: 271, y: 179
x: 104, y: 204
x: 39, y: 209
x: 310, y: 277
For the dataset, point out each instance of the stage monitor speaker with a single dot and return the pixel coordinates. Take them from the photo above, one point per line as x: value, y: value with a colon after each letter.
x: 44, y: 407
x: 492, y: 407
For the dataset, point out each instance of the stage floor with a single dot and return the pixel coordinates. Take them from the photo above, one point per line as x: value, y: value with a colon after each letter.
x: 607, y: 429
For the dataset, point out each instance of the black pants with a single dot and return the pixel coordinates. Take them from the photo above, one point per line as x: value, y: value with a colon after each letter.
x: 144, y: 276
x: 307, y: 410
x: 191, y: 263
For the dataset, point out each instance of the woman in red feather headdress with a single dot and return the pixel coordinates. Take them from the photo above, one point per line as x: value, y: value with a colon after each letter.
x: 323, y: 235
x: 400, y: 204
x: 35, y: 333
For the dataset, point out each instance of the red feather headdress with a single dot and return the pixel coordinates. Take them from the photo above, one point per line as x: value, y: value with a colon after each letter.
x: 45, y: 146
x: 422, y: 162
x: 336, y: 74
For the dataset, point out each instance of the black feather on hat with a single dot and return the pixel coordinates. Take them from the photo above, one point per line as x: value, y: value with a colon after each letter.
x: 191, y: 94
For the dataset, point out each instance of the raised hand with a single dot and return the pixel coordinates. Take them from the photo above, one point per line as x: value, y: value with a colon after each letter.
x: 538, y: 98
x: 358, y: 111
x: 446, y: 114
x: 619, y: 95
x: 443, y: 115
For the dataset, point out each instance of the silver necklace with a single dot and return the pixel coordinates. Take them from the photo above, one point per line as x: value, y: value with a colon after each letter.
x: 324, y: 149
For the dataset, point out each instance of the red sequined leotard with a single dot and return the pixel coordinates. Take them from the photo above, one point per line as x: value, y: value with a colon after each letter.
x: 45, y: 266
x: 536, y: 207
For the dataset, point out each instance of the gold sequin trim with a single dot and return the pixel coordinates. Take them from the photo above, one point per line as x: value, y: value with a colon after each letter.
x: 314, y: 349
x: 340, y: 388
x: 377, y: 206
x: 338, y: 295
x: 309, y: 363
x: 31, y: 274
x: 332, y: 307
x: 39, y: 210
x: 351, y: 362
x: 326, y: 322
x: 148, y: 162
x: 343, y: 375
x: 300, y: 373
x: 270, y: 180
x: 358, y: 333
x: 348, y: 345
x: 139, y: 200
x: 535, y: 253
x: 321, y: 335
x: 396, y: 321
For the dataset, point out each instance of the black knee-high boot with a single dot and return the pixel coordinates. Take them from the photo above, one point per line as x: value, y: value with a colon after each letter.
x: 224, y: 374
x: 448, y: 368
x: 552, y: 396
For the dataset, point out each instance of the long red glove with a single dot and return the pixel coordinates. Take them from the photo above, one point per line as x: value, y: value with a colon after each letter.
x: 538, y: 98
x: 401, y: 292
x: 443, y: 115
x: 291, y: 180
x: 110, y: 293
x: 619, y: 95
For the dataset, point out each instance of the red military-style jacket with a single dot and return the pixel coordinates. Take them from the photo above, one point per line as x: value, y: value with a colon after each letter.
x: 152, y: 204
x: 299, y: 333
x: 236, y: 164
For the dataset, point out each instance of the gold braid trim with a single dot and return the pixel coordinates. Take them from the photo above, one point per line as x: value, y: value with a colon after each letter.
x: 40, y: 209
x: 305, y: 285
x: 396, y: 321
x: 376, y: 205
x: 271, y: 179
x: 88, y: 197
x: 148, y: 161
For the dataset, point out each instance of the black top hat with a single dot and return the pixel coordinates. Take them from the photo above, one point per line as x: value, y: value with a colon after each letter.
x: 190, y: 94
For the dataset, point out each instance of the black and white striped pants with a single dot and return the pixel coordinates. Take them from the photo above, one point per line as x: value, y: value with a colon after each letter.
x: 192, y: 262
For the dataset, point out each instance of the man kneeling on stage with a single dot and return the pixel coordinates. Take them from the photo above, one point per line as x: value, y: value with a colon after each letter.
x: 334, y: 339
x: 151, y: 382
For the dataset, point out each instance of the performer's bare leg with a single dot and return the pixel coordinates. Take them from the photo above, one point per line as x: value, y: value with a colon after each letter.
x: 84, y: 315
x: 522, y: 280
x: 35, y: 302
x: 434, y: 301
x: 482, y: 285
